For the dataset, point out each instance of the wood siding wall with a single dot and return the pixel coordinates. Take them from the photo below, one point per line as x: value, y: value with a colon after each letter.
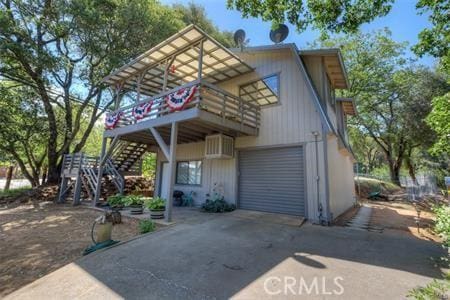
x: 341, y: 177
x: 291, y: 122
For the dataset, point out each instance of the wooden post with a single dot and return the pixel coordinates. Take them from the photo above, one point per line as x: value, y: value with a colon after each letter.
x: 78, y: 183
x: 172, y: 170
x: 63, y: 186
x: 200, y: 62
x: 98, y: 189
x: 166, y: 75
x: 118, y: 89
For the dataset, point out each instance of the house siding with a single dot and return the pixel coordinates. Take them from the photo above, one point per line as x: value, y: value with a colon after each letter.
x: 221, y: 171
x: 291, y: 122
x: 341, y: 179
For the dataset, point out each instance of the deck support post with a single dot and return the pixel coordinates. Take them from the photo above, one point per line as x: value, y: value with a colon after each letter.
x: 118, y: 89
x: 62, y: 189
x: 172, y: 170
x: 164, y: 148
x: 112, y: 145
x: 200, y: 62
x: 98, y: 189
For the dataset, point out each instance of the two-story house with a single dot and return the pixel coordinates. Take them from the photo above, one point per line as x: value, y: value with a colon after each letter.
x: 261, y: 125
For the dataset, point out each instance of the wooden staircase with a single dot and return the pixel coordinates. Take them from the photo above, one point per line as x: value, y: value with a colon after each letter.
x: 82, y: 170
x: 127, y: 157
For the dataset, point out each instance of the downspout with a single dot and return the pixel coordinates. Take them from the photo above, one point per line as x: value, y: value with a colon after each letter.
x: 329, y: 217
x: 319, y: 204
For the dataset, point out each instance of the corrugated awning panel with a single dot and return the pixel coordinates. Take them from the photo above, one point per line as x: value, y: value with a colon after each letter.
x: 180, y: 54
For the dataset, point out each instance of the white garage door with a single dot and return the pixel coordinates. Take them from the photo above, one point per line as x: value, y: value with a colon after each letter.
x: 272, y: 180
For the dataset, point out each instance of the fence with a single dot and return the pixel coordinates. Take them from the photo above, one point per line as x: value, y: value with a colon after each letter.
x: 424, y: 185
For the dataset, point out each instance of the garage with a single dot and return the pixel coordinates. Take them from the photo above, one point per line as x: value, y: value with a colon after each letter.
x: 272, y: 180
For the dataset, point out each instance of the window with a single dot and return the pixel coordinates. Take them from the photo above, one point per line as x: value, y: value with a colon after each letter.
x: 189, y: 172
x: 264, y: 91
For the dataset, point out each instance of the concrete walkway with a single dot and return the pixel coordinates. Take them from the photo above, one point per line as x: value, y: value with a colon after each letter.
x: 220, y: 256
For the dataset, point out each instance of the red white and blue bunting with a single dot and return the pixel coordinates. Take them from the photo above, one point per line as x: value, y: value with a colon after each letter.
x: 179, y: 99
x: 112, y: 119
x: 140, y: 111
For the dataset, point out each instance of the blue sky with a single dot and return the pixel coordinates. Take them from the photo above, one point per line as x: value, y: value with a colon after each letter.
x: 403, y: 20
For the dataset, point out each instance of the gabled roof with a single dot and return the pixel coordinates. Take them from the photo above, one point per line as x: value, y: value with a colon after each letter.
x: 334, y: 65
x: 180, y: 53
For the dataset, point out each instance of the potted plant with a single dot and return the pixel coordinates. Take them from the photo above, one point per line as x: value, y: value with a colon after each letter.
x: 116, y: 202
x: 135, y: 203
x: 156, y: 206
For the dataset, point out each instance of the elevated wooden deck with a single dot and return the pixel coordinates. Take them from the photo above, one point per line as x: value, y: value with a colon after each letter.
x: 212, y: 110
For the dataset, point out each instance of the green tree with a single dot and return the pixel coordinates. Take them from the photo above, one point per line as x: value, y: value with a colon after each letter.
x: 393, y: 96
x: 439, y: 120
x: 61, y: 50
x: 23, y: 129
x: 195, y: 14
x: 436, y: 39
x: 366, y: 150
x: 327, y: 16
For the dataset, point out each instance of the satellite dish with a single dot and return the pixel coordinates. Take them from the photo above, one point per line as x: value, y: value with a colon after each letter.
x: 239, y: 37
x: 279, y: 34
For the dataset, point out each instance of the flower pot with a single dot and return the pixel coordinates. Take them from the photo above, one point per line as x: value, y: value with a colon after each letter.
x: 117, y: 207
x: 136, y: 209
x: 157, y: 213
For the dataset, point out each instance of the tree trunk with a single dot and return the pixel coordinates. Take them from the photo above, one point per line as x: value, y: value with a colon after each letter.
x: 9, y: 174
x: 44, y: 175
x: 411, y: 170
x: 394, y: 172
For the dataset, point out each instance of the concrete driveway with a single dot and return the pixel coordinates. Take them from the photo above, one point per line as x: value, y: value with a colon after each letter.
x: 231, y: 256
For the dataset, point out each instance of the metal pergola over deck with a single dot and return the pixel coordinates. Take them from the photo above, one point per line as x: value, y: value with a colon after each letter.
x: 175, y: 61
x: 189, y: 58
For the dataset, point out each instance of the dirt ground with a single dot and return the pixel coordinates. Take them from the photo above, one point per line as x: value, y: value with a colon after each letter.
x: 401, y: 216
x: 36, y: 239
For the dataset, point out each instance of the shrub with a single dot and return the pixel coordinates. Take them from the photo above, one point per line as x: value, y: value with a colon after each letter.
x: 217, y: 206
x: 146, y: 226
x: 442, y: 224
x: 133, y: 200
x: 216, y: 203
x: 116, y: 200
x: 437, y: 289
x: 156, y: 203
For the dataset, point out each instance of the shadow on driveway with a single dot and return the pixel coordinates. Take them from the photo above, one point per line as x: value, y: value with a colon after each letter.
x: 224, y: 256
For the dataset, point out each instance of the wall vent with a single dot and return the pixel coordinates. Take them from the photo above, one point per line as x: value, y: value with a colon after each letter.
x: 219, y: 146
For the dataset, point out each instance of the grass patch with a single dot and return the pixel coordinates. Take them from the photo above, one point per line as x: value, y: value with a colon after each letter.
x: 370, y: 185
x: 435, y: 290
x: 14, y: 192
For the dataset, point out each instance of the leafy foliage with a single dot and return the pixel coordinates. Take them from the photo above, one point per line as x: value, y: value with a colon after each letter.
x: 442, y: 224
x: 436, y: 39
x: 156, y: 203
x: 393, y: 96
x: 216, y: 203
x: 116, y: 200
x: 439, y: 120
x: 149, y: 165
x: 334, y: 16
x: 146, y: 226
x: 195, y: 14
x: 435, y: 290
x: 23, y: 129
x: 133, y: 200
